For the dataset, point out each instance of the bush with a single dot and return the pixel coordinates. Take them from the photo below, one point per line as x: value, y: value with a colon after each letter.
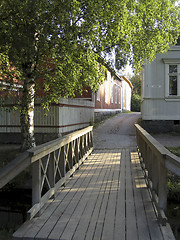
x: 173, y: 187
x: 173, y: 180
x: 136, y: 103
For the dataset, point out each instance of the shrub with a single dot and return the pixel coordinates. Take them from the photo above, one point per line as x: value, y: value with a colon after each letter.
x: 173, y: 180
x: 136, y: 103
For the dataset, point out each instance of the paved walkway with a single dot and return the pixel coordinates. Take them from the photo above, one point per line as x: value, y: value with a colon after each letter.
x: 117, y: 132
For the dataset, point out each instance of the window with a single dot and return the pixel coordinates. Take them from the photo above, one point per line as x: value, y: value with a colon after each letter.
x: 172, y: 78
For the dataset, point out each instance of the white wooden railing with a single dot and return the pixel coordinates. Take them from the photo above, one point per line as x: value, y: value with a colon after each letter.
x: 52, y: 164
x: 156, y: 160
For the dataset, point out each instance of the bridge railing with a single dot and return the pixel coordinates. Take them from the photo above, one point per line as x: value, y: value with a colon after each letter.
x: 156, y: 160
x: 51, y: 165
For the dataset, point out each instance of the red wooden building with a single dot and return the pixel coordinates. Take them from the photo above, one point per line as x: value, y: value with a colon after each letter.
x: 113, y: 96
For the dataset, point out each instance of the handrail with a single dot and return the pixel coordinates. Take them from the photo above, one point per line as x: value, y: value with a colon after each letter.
x: 52, y: 164
x: 14, y: 168
x: 156, y: 160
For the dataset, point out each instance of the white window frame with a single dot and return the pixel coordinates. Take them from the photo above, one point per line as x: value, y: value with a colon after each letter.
x: 169, y: 62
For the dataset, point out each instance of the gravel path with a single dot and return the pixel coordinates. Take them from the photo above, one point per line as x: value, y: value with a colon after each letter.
x: 117, y: 132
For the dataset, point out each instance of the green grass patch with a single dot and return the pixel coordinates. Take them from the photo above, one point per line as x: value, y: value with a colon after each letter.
x: 126, y: 111
x: 174, y: 180
x: 174, y: 150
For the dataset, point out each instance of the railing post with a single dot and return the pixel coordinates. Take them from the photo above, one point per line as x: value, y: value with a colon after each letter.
x: 62, y: 162
x: 76, y: 151
x: 149, y: 164
x: 90, y: 139
x: 51, y: 171
x: 162, y: 190
x: 70, y: 158
x: 144, y: 151
x: 81, y: 146
x: 36, y: 182
x: 154, y: 173
x: 140, y: 146
x: 145, y: 155
x: 67, y: 166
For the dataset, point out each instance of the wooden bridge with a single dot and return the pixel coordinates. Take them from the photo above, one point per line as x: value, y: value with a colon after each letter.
x: 106, y: 198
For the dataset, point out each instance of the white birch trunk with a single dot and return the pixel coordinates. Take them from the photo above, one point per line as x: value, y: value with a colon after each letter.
x: 27, y: 114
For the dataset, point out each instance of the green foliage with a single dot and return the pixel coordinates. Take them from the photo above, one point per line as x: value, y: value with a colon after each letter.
x: 136, y: 82
x: 136, y: 93
x: 73, y: 34
x: 126, y: 111
x: 173, y: 180
x: 173, y: 187
x: 175, y: 150
x: 135, y: 103
x: 77, y: 69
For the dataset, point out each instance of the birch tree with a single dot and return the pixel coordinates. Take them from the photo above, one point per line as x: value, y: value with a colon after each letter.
x: 55, y: 44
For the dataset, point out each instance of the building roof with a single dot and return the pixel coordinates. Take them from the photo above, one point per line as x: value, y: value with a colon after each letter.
x: 130, y: 84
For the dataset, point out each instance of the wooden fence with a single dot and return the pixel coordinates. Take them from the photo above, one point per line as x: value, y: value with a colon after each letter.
x: 10, y: 120
x: 66, y: 116
x: 51, y: 163
x: 156, y: 160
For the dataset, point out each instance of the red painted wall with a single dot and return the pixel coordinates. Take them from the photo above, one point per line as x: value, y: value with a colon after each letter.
x: 108, y: 91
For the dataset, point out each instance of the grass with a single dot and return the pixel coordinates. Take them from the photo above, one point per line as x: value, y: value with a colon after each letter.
x: 174, y: 180
x: 126, y: 111
x: 174, y: 150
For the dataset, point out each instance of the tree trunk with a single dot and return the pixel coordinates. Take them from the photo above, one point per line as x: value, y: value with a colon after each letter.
x: 27, y: 111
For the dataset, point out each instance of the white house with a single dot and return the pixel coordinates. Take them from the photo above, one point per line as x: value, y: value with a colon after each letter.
x: 161, y: 89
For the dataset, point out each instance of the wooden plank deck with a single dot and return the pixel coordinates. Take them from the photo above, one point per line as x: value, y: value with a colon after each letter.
x: 107, y: 198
